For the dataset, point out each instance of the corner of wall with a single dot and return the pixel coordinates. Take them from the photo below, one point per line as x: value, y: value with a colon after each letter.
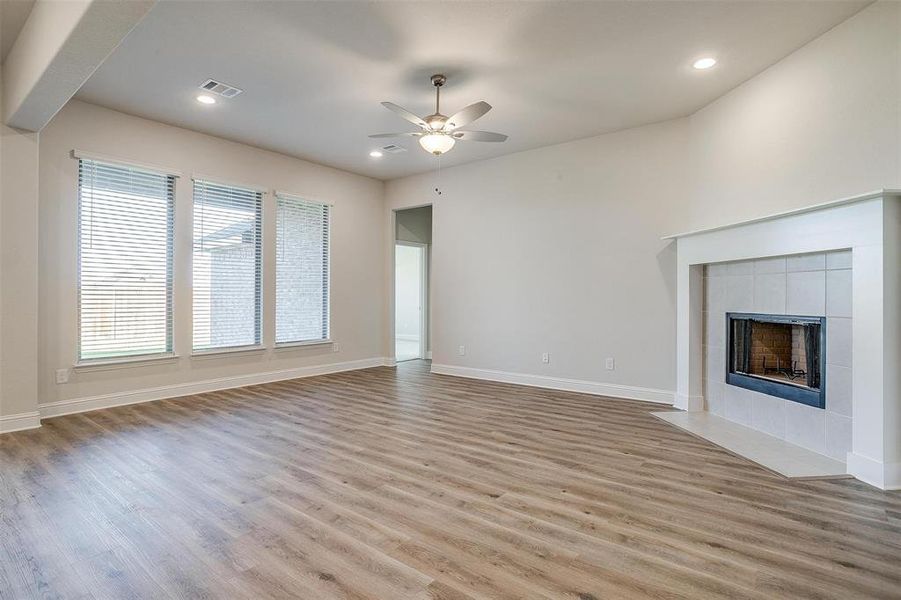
x: 18, y: 273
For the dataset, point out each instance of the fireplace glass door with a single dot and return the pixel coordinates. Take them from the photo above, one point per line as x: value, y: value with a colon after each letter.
x: 778, y: 355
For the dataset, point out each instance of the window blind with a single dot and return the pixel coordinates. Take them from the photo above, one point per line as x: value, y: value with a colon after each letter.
x: 302, y: 270
x: 125, y: 240
x: 227, y: 266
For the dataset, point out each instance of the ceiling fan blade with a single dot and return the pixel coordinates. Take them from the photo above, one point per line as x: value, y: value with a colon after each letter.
x: 394, y: 135
x: 479, y: 136
x: 467, y: 115
x: 403, y: 112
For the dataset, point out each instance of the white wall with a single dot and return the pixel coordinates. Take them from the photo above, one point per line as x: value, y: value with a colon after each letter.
x: 358, y: 281
x: 558, y: 250
x: 823, y: 123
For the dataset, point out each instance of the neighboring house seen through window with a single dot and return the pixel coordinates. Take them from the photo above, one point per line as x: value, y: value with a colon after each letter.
x: 125, y: 239
x: 227, y: 266
x: 302, y: 270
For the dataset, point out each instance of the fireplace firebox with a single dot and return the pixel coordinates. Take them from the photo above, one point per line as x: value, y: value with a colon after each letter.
x: 779, y: 355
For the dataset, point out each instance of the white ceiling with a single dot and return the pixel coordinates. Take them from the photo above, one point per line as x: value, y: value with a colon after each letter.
x: 315, y: 72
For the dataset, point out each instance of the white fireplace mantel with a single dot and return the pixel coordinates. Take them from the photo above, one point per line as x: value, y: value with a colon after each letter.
x: 868, y: 224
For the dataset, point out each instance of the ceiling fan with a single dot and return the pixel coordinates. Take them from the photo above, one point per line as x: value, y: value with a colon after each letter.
x: 439, y: 133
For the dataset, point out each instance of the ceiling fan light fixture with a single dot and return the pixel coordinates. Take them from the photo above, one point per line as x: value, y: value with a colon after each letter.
x: 437, y: 143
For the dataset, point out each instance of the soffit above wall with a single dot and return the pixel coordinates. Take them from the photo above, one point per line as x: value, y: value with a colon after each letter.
x: 13, y: 14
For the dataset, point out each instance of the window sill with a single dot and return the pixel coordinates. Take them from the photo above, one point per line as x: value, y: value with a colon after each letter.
x: 294, y: 345
x: 105, y: 364
x: 222, y: 352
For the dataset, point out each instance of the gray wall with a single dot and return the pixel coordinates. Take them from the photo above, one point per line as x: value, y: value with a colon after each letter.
x: 414, y: 225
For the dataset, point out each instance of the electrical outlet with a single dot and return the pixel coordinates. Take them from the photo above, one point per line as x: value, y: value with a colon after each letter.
x: 461, y: 350
x: 335, y: 347
x: 62, y: 376
x: 545, y: 358
x: 611, y: 364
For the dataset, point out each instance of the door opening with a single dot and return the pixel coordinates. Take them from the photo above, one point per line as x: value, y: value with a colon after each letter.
x: 410, y: 278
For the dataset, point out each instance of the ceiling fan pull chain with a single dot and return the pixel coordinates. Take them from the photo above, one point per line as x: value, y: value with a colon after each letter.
x: 438, y: 186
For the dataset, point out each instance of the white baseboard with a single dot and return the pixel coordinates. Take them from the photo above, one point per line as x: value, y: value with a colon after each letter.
x: 19, y: 422
x: 689, y: 403
x: 885, y: 476
x: 613, y: 390
x: 77, y: 405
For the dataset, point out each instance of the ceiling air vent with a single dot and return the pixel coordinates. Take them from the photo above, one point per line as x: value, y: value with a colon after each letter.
x: 394, y: 149
x: 220, y: 89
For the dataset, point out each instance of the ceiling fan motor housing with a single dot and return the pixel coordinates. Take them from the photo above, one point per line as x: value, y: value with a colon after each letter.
x: 436, y: 121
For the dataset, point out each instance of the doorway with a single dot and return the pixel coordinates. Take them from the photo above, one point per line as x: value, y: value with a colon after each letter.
x: 410, y: 264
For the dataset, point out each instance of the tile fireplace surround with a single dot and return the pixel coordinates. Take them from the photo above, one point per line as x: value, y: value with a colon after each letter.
x: 814, y: 285
x: 841, y: 260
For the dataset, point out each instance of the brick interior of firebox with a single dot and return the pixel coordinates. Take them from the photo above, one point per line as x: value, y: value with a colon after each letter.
x: 777, y: 345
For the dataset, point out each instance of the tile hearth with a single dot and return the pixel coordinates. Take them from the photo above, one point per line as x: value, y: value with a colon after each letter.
x: 769, y: 452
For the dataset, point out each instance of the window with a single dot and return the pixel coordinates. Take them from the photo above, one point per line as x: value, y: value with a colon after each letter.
x: 125, y: 235
x: 227, y: 271
x: 302, y: 271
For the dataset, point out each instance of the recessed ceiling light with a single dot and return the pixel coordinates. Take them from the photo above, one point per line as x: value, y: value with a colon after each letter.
x: 375, y: 154
x: 204, y: 99
x: 704, y: 63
